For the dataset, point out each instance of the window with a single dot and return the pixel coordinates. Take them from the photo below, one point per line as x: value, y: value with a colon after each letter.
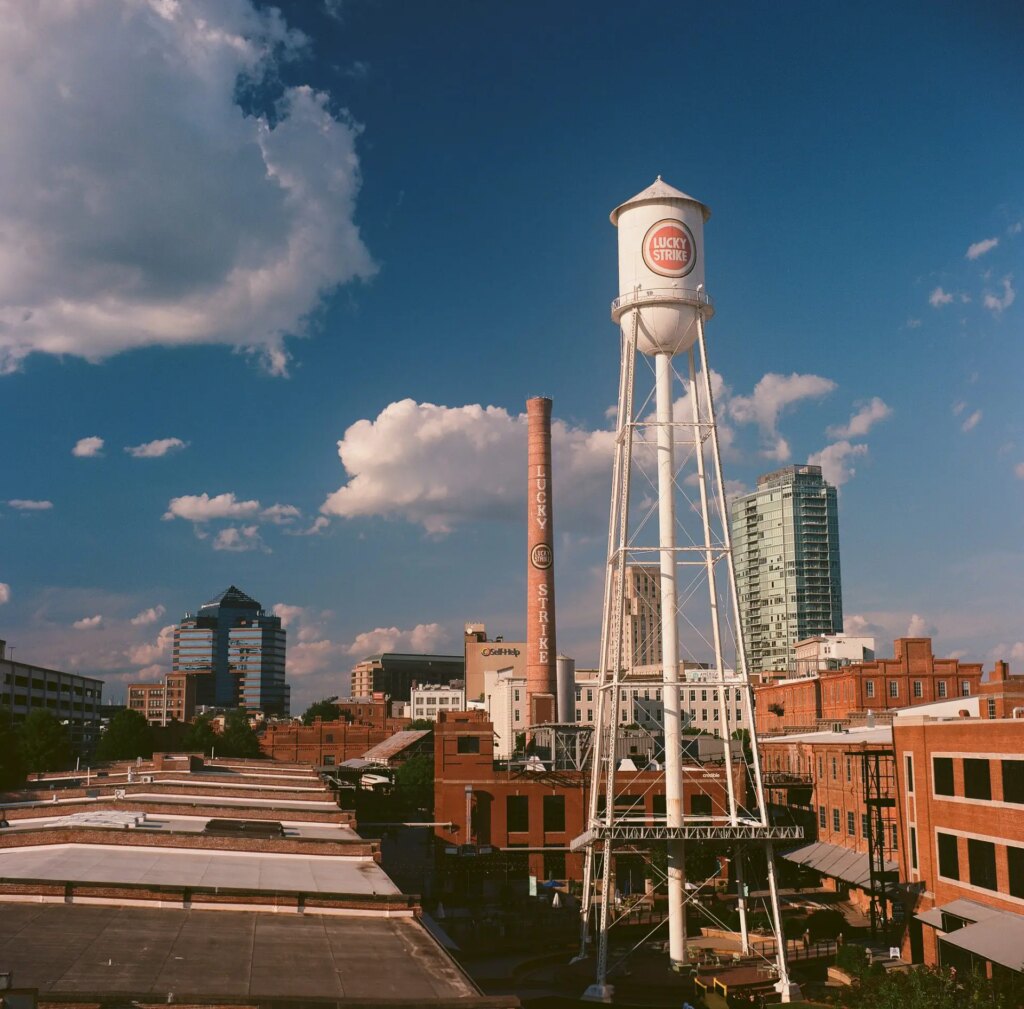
x: 977, y: 782
x: 981, y: 861
x: 1013, y: 781
x: 1015, y: 866
x: 834, y: 765
x: 942, y: 771
x: 835, y: 820
x: 515, y: 694
x: 864, y: 825
x: 820, y: 771
x: 913, y: 847
x: 909, y: 760
x: 468, y: 744
x: 590, y: 693
x: 517, y: 813
x: 949, y: 857
x: 554, y: 864
x: 515, y: 715
x: 329, y: 737
x: 715, y: 713
x: 991, y: 707
x: 849, y: 769
x: 703, y: 695
x: 822, y: 817
x: 869, y: 688
x: 554, y: 814
x: 577, y: 714
x: 590, y: 714
x: 918, y: 689
x: 579, y: 693
x: 850, y: 825
x: 703, y: 714
x: 965, y: 688
x: 941, y: 688
x: 700, y: 804
x: 894, y: 688
x: 895, y: 836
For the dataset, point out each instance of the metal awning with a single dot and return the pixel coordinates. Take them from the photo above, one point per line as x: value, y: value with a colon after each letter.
x: 837, y: 862
x: 999, y: 939
x: 932, y: 917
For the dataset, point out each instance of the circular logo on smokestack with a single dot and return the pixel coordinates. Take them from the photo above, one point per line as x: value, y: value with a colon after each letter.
x: 669, y: 249
x: 540, y: 557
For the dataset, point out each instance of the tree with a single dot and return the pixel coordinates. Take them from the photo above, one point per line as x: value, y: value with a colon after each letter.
x: 326, y: 710
x: 127, y: 736
x: 421, y: 723
x: 238, y: 738
x: 414, y: 781
x: 44, y: 742
x: 12, y: 768
x: 200, y: 736
x: 743, y: 735
x: 934, y: 988
x: 825, y: 924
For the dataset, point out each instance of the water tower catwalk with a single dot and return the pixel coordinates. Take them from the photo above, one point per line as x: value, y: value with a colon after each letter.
x: 669, y: 522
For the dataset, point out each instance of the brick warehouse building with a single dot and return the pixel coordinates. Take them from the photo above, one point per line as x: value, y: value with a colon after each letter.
x: 913, y: 676
x: 961, y: 796
x: 530, y: 816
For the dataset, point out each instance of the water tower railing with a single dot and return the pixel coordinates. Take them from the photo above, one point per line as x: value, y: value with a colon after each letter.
x: 649, y: 295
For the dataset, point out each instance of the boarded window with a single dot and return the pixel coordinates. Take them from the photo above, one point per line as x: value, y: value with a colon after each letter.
x: 942, y: 770
x: 554, y: 813
x: 949, y: 857
x: 469, y: 744
x: 977, y: 783
x: 981, y: 860
x: 517, y: 813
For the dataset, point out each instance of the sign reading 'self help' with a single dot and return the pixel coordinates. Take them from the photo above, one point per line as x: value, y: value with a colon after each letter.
x: 669, y: 249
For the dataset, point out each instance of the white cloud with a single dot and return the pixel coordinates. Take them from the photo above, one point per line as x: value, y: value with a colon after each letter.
x: 856, y: 623
x: 1019, y: 470
x: 5, y: 593
x: 85, y: 448
x: 980, y: 248
x: 203, y: 508
x: 88, y: 623
x: 919, y: 627
x: 971, y: 422
x: 1015, y: 228
x: 280, y: 514
x: 772, y: 396
x: 421, y: 638
x: 131, y: 173
x: 863, y: 420
x: 939, y: 297
x: 998, y: 303
x: 958, y: 407
x: 148, y: 653
x: 913, y: 324
x: 238, y: 539
x: 24, y: 505
x: 320, y: 523
x: 155, y: 449
x: 836, y: 461
x: 148, y: 616
x: 440, y: 466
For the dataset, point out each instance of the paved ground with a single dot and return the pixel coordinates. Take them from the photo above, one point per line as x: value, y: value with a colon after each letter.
x: 163, y: 866
x: 62, y: 948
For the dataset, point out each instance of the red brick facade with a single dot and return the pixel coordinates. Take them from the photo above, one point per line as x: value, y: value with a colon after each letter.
x: 325, y: 743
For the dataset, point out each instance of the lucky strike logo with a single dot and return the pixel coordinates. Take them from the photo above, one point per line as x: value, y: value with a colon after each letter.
x: 669, y: 249
x: 540, y: 557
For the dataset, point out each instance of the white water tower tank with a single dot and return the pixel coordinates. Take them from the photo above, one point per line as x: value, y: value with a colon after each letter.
x: 661, y: 268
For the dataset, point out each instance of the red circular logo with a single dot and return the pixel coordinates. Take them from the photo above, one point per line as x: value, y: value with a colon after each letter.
x: 669, y: 249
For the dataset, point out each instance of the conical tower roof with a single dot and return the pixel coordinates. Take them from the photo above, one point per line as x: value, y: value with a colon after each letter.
x: 658, y: 191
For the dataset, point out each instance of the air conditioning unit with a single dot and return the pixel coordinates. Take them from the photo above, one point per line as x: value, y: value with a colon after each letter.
x: 147, y: 779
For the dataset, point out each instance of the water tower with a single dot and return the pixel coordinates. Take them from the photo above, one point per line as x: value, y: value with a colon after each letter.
x: 669, y: 519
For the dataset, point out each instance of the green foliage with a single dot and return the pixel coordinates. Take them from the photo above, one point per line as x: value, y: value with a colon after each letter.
x: 852, y: 959
x: 421, y: 723
x: 825, y: 924
x: 743, y: 735
x: 414, y: 782
x: 238, y: 739
x: 12, y: 767
x: 200, y: 736
x: 934, y: 988
x: 127, y: 736
x: 326, y: 710
x: 43, y: 742
x: 794, y: 927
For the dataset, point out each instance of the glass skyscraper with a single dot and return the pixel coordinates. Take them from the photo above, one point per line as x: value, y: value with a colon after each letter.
x: 236, y: 652
x: 785, y: 538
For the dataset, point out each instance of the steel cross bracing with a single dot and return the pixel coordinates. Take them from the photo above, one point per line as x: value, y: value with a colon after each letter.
x: 711, y: 586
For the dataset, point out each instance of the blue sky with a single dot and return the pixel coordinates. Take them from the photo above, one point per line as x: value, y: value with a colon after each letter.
x: 261, y: 233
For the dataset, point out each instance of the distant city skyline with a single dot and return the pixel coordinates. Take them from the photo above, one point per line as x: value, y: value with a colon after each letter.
x: 273, y: 305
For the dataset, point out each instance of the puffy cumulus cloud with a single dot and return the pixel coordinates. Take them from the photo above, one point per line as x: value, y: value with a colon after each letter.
x: 85, y: 448
x: 280, y: 514
x: 131, y: 171
x: 151, y: 652
x: 203, y: 508
x: 939, y: 297
x: 148, y: 616
x: 971, y: 422
x: 5, y: 593
x: 27, y: 505
x: 863, y: 420
x: 311, y: 652
x: 977, y: 249
x: 920, y: 627
x: 857, y: 623
x: 999, y: 303
x: 238, y: 539
x: 440, y: 466
x: 771, y: 397
x: 421, y: 638
x: 836, y: 461
x: 155, y: 449
x: 88, y: 623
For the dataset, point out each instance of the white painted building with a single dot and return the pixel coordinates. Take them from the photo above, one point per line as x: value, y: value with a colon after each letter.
x: 832, y: 651
x: 505, y: 700
x: 427, y: 699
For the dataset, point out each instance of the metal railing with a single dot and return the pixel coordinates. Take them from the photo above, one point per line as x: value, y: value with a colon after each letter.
x: 648, y: 295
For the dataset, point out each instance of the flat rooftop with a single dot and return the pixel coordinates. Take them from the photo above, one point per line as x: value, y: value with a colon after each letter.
x: 96, y: 863
x: 78, y: 949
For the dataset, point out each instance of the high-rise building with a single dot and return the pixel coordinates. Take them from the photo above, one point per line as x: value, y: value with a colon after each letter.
x: 786, y: 550
x: 236, y: 652
x: 641, y: 632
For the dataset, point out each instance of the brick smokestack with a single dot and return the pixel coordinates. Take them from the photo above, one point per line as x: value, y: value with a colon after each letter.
x: 541, y: 675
